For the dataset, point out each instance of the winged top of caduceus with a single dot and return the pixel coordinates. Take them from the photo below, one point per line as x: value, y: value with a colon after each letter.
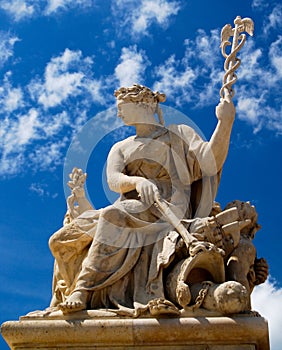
x: 232, y: 62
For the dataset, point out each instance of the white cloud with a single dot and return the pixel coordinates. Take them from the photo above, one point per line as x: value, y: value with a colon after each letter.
x: 49, y: 155
x: 35, y: 140
x: 59, y: 83
x: 18, y: 9
x: 34, y: 187
x: 41, y: 189
x: 24, y: 9
x: 30, y: 131
x: 210, y: 67
x: 11, y: 164
x: 54, y: 6
x: 193, y: 77
x: 175, y: 80
x: 138, y: 16
x: 275, y: 55
x: 14, y: 99
x: 153, y: 11
x: 267, y: 299
x: 259, y: 4
x: 66, y: 76
x: 15, y: 136
x: 7, y: 42
x: 11, y: 98
x: 250, y: 57
x: 274, y: 20
x: 250, y: 108
x: 206, y: 46
x: 96, y: 89
x: 259, y: 103
x: 19, y: 132
x: 53, y: 124
x: 132, y: 66
x: 25, y: 130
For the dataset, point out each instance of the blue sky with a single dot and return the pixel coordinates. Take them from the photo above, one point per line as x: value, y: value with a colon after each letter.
x: 60, y: 61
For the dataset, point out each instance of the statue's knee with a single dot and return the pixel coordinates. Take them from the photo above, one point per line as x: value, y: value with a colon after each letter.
x: 110, y: 214
x: 52, y: 241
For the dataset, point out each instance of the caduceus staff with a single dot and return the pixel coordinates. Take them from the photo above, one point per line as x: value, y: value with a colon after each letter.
x: 232, y: 62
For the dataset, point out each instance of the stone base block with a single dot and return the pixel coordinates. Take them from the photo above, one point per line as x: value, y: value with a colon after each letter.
x: 197, y: 333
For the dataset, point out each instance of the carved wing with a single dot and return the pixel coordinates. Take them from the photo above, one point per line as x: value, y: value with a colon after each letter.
x: 226, y: 33
x: 248, y: 26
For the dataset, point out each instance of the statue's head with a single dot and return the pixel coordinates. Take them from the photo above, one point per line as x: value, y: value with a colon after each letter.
x: 141, y: 96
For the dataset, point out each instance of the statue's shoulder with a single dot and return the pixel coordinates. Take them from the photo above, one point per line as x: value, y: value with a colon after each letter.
x: 181, y: 129
x: 120, y: 145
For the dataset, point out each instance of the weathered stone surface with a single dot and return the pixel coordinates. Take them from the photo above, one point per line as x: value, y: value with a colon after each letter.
x: 198, y: 333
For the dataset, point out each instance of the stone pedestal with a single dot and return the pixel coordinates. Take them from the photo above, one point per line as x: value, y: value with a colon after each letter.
x: 85, y: 332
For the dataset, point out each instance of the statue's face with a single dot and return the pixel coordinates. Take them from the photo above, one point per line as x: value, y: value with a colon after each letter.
x: 133, y: 113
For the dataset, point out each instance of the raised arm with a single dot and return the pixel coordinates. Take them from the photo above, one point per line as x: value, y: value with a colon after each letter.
x: 219, y: 142
x: 206, y: 158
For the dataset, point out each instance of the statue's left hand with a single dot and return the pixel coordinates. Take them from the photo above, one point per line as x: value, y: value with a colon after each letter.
x: 225, y: 110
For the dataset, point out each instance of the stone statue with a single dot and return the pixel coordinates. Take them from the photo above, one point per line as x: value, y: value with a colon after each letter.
x: 133, y: 242
x: 164, y: 246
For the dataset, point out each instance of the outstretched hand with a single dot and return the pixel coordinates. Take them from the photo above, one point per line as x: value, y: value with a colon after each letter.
x: 225, y: 110
x: 147, y: 191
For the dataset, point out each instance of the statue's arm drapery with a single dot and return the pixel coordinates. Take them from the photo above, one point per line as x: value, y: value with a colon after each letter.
x: 118, y: 181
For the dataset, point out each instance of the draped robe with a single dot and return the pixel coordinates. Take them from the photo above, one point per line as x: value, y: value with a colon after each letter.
x: 132, y: 242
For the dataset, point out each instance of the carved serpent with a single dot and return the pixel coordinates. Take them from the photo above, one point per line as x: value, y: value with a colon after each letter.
x: 231, y: 64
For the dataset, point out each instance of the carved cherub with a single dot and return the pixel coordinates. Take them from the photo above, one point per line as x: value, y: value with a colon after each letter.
x: 232, y: 231
x: 236, y: 225
x: 242, y: 264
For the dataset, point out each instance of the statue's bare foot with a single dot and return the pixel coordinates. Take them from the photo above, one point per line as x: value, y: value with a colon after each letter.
x: 77, y: 301
x: 161, y: 306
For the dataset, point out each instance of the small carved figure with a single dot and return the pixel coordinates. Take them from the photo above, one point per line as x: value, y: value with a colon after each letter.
x: 219, y: 279
x: 242, y: 264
